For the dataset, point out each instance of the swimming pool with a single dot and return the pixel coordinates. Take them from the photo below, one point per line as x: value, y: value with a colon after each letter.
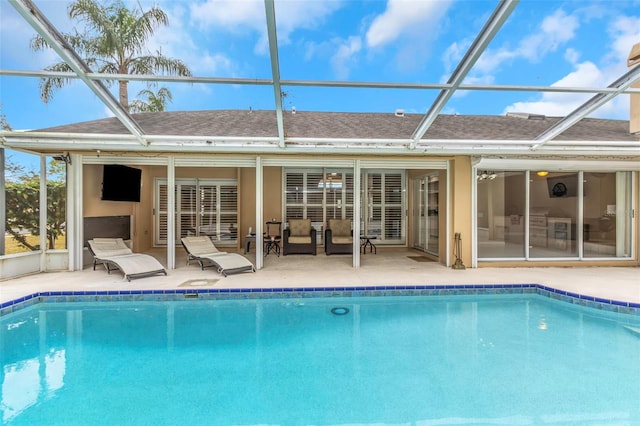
x: 507, y: 359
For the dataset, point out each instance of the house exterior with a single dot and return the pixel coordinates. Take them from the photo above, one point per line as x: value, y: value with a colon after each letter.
x: 511, y: 197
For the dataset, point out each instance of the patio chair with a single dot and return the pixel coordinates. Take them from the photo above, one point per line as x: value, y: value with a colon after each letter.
x: 202, y: 250
x: 113, y: 253
x: 299, y: 238
x: 338, y: 237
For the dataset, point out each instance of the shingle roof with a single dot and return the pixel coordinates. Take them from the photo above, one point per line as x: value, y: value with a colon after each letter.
x: 321, y: 125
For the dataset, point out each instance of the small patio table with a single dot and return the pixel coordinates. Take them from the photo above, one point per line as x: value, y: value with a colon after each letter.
x: 365, y: 240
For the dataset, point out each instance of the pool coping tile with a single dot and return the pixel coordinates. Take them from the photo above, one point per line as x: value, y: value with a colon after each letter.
x: 341, y: 291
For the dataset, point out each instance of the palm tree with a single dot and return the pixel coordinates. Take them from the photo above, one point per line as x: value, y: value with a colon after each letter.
x: 155, y: 102
x: 114, y: 43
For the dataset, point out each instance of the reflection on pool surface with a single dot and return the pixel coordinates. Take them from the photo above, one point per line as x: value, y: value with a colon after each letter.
x: 506, y: 359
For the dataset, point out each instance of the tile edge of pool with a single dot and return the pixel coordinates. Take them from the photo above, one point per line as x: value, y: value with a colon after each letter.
x: 610, y: 305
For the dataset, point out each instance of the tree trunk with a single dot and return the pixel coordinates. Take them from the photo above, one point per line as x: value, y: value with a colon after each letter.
x: 124, y: 94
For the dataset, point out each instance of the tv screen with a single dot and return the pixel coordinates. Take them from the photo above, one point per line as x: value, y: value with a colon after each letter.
x: 120, y: 183
x: 563, y: 186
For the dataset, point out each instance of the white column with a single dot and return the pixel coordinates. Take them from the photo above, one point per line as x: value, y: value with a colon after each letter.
x: 171, y: 213
x: 259, y: 208
x: 43, y: 213
x: 357, y: 211
x: 74, y: 229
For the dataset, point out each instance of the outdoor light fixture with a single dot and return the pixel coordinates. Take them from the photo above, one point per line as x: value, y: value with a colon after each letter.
x: 542, y: 173
x: 63, y: 157
x: 486, y: 175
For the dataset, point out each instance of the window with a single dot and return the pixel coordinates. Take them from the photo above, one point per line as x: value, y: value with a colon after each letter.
x: 56, y: 203
x: 323, y: 194
x: 383, y: 204
x: 203, y: 207
x: 318, y: 195
x: 22, y: 200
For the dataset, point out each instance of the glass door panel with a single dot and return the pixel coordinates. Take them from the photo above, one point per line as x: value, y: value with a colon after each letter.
x: 500, y: 214
x: 607, y: 218
x: 553, y: 215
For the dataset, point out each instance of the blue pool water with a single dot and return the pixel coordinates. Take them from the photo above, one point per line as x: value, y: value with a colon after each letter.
x: 502, y: 359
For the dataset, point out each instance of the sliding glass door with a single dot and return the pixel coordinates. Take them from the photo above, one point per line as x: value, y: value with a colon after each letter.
x: 562, y: 215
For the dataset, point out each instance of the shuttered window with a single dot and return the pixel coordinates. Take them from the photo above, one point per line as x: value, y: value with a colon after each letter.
x: 384, y: 204
x: 203, y: 207
x: 322, y: 194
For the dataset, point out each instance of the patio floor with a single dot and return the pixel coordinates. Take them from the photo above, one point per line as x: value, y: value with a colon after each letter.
x: 387, y: 267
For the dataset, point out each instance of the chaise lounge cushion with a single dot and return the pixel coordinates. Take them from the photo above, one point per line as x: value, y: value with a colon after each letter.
x: 300, y: 231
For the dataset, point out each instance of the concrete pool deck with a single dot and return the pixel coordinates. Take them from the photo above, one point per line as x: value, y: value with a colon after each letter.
x: 393, y: 267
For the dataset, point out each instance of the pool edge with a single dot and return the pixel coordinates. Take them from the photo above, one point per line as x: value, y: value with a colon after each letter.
x: 610, y: 305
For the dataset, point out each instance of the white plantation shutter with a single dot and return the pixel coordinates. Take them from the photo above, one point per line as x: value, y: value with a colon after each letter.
x: 227, y: 213
x: 207, y: 209
x: 318, y: 194
x: 186, y: 214
x: 203, y: 207
x: 384, y: 203
x: 393, y: 207
x: 160, y: 218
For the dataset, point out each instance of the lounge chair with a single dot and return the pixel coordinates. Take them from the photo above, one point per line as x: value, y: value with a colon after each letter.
x: 202, y: 250
x: 113, y: 253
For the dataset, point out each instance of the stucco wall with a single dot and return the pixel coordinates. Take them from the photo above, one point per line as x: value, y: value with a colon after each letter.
x: 461, y: 211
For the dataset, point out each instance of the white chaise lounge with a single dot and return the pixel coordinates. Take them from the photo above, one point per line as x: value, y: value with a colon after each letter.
x: 202, y: 250
x: 113, y: 253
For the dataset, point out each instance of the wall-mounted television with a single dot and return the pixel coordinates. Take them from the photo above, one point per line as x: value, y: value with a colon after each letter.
x: 121, y: 183
x: 563, y: 186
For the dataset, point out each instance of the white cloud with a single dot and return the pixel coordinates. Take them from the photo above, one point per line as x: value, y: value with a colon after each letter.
x: 571, y: 55
x: 16, y: 35
x: 585, y: 74
x: 625, y: 31
x: 344, y: 56
x: 453, y: 54
x: 245, y: 16
x: 555, y: 30
x: 403, y: 17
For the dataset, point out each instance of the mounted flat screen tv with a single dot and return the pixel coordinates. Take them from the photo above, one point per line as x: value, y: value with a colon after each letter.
x: 563, y: 186
x: 121, y: 183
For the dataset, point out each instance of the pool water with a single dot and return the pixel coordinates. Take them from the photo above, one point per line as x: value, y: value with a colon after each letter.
x: 399, y: 360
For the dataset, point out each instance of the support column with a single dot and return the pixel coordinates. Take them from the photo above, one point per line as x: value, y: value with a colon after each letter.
x: 357, y: 212
x: 43, y: 213
x: 75, y: 202
x: 171, y: 213
x: 259, y: 213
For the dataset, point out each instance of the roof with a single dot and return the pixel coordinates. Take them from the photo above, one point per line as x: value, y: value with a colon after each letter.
x: 357, y: 126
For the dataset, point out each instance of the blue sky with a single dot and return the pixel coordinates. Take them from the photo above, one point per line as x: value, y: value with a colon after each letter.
x: 564, y: 43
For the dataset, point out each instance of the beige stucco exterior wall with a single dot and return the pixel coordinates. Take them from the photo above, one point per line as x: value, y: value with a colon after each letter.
x: 461, y: 203
x: 272, y: 193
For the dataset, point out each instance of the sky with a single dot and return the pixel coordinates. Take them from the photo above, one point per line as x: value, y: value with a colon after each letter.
x: 544, y: 43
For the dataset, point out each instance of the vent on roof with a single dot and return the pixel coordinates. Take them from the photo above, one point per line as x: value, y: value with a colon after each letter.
x: 399, y: 113
x: 526, y: 115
